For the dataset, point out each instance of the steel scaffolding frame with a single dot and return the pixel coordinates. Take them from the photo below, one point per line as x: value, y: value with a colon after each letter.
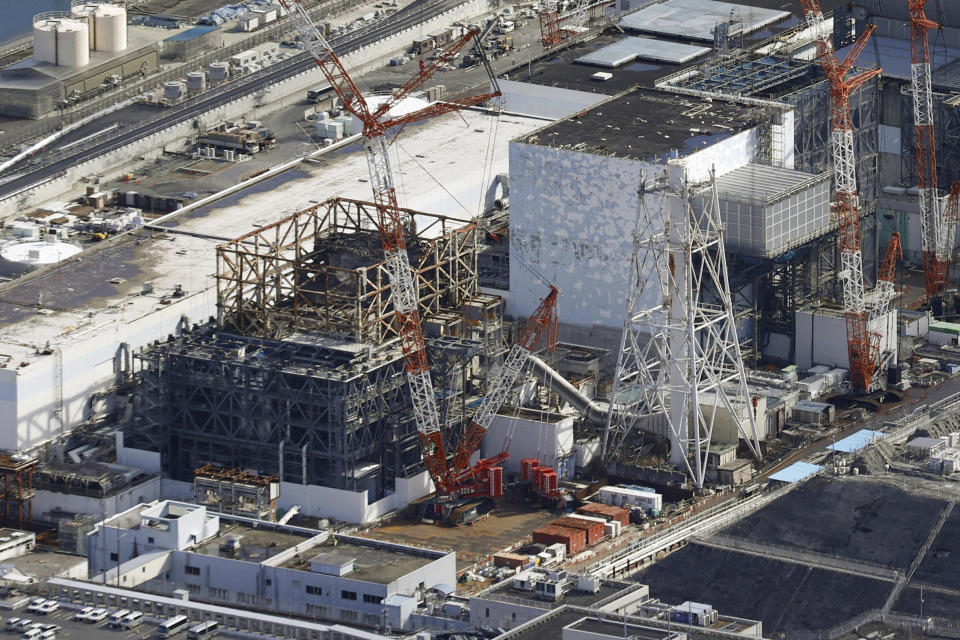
x: 946, y: 120
x: 306, y: 409
x: 321, y: 269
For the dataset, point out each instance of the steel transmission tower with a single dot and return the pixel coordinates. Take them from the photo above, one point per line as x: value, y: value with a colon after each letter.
x: 679, y: 367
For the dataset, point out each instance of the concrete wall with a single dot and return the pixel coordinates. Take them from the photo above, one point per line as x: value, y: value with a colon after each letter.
x: 572, y: 219
x: 547, y: 440
x: 822, y: 338
x: 45, y: 501
x: 86, y: 364
x: 351, y: 506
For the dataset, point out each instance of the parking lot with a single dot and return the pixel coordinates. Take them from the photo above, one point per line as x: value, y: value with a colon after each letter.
x: 70, y: 628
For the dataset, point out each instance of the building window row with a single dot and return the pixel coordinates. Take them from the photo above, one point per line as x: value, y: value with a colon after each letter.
x: 348, y: 595
x: 314, y: 591
x: 192, y: 571
x: 372, y: 599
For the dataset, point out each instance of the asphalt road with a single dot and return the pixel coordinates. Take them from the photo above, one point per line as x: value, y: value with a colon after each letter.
x: 411, y: 15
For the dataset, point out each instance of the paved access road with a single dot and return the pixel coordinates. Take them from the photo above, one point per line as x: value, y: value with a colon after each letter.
x: 411, y: 15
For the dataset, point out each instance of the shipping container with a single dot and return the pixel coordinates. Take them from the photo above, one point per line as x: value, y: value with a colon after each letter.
x: 512, y: 560
x: 575, y: 540
x: 595, y: 530
x: 607, y: 511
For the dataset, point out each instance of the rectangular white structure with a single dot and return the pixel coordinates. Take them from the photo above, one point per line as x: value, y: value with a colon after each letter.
x: 636, y: 48
x: 696, y: 19
x: 573, y: 195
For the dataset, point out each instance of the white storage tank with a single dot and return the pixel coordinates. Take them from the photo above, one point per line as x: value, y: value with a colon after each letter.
x: 23, y: 257
x: 196, y: 81
x: 61, y: 39
x: 173, y: 90
x: 219, y: 71
x: 107, y: 22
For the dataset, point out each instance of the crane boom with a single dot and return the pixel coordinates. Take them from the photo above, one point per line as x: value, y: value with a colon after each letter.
x: 885, y: 289
x: 932, y: 234
x: 391, y: 227
x: 543, y: 319
x: 862, y: 343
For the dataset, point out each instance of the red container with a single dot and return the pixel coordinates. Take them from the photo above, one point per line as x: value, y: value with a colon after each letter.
x: 541, y: 472
x: 495, y: 478
x: 574, y: 539
x: 528, y: 467
x: 607, y: 512
x: 594, y: 529
x: 548, y: 483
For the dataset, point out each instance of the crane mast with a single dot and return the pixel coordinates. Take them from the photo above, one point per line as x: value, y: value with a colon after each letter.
x: 936, y: 259
x: 885, y: 288
x: 862, y: 343
x: 390, y: 218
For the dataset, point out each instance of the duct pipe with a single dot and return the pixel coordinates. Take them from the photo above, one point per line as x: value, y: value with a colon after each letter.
x: 590, y: 410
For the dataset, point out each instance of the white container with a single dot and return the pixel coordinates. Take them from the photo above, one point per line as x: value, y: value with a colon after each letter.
x: 61, y: 39
x: 249, y: 22
x: 219, y: 71
x: 22, y: 257
x: 173, y: 90
x: 196, y: 81
x: 107, y: 22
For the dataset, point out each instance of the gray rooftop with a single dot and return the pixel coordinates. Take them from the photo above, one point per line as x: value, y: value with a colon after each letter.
x: 647, y: 124
x: 372, y: 561
x: 256, y: 544
x: 696, y: 19
x: 506, y: 593
x: 764, y: 182
x: 616, y: 629
x: 634, y: 48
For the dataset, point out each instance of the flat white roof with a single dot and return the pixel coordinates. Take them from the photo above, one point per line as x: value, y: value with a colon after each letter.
x: 438, y: 165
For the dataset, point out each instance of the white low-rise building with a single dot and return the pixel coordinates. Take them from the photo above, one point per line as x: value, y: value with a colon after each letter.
x: 168, y: 546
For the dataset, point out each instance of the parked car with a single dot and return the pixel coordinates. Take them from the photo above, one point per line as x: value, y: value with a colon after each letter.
x: 81, y: 615
x: 34, y: 604
x: 97, y: 615
x: 11, y: 624
x: 48, y: 607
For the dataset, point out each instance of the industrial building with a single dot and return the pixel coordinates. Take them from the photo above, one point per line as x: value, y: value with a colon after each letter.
x: 166, y: 546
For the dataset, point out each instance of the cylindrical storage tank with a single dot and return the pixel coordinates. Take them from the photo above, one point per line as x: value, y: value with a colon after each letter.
x: 173, y: 90
x: 196, y: 81
x: 22, y: 257
x: 60, y: 39
x: 107, y: 21
x: 219, y: 71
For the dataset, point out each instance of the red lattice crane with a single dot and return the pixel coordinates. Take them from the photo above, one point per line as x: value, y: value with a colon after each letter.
x: 862, y: 343
x: 543, y: 322
x: 376, y: 123
x: 886, y: 277
x: 935, y: 245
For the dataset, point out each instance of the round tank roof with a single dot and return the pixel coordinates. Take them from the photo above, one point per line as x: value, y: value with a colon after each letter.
x: 39, y: 252
x: 58, y: 21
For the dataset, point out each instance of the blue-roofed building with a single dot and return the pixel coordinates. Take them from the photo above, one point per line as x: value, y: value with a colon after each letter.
x: 187, y: 44
x: 856, y: 441
x: 796, y: 472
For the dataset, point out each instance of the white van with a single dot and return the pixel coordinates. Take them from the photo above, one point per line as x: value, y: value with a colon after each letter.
x: 117, y: 616
x: 11, y: 624
x: 132, y: 620
x: 32, y: 633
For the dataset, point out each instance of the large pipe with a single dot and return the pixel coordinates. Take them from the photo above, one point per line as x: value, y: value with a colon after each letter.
x: 590, y: 410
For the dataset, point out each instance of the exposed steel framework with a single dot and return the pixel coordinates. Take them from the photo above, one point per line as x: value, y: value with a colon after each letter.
x: 16, y: 501
x: 543, y: 322
x: 933, y: 233
x: 886, y: 276
x: 376, y: 123
x: 863, y: 344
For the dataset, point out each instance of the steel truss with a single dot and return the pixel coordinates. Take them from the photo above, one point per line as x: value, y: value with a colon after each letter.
x: 304, y: 408
x: 679, y: 362
x: 321, y: 269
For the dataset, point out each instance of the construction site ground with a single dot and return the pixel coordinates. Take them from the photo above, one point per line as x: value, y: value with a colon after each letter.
x: 508, y: 524
x: 827, y: 552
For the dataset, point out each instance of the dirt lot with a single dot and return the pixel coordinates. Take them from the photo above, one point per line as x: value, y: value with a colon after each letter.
x: 509, y: 523
x: 870, y: 521
x: 783, y: 595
